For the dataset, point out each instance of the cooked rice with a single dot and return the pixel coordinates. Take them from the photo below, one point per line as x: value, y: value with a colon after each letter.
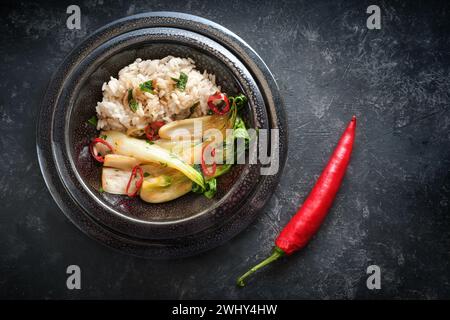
x: 168, y: 104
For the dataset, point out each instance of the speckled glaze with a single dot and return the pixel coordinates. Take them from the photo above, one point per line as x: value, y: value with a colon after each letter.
x: 192, y: 223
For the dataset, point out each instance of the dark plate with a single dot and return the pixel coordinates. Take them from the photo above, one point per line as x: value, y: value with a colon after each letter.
x: 192, y: 223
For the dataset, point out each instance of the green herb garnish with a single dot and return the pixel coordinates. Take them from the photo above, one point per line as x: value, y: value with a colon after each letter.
x: 147, y: 86
x: 163, y: 164
x: 146, y: 174
x: 101, y: 190
x: 210, y: 188
x: 181, y: 81
x: 149, y: 142
x: 132, y: 103
x: 104, y: 136
x: 93, y: 121
x: 240, y: 101
x: 239, y: 130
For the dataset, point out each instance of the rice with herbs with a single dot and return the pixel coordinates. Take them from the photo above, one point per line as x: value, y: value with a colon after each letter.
x: 169, y: 100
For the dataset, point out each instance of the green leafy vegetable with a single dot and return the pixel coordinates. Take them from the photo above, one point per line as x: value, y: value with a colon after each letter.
x: 132, y: 103
x: 181, y: 81
x: 147, y: 86
x: 210, y: 185
x: 93, y: 121
x: 211, y: 188
x: 239, y: 132
x: 196, y: 188
x: 130, y: 95
x: 167, y: 181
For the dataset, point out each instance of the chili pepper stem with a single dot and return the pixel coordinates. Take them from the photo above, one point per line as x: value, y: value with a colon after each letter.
x: 276, y: 253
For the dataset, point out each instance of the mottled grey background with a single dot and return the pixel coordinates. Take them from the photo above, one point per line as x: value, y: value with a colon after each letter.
x: 393, y: 209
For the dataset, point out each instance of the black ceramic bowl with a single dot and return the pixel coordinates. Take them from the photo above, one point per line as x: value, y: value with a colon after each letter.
x: 186, y: 225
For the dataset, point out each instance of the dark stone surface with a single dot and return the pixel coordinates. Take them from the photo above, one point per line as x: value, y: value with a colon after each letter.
x: 393, y: 209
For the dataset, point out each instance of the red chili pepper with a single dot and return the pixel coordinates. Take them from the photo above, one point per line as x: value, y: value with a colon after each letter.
x: 138, y: 183
x: 151, y: 131
x: 305, y: 223
x: 217, y: 100
x: 94, y: 152
x: 205, y: 169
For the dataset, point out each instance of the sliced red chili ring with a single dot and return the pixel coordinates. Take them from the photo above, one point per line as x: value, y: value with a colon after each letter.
x: 151, y: 131
x: 94, y: 152
x: 205, y: 169
x: 219, y: 103
x: 138, y: 183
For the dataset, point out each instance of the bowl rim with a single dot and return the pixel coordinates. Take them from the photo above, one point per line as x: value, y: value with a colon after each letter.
x: 206, y: 239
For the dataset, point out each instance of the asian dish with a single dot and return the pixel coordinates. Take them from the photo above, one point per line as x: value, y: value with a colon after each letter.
x: 166, y: 129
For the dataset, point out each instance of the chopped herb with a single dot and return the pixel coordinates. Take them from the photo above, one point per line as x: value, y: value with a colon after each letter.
x: 192, y: 109
x: 210, y: 112
x: 237, y: 102
x: 93, y: 121
x: 132, y: 103
x: 147, y: 86
x: 104, y: 136
x: 130, y: 95
x: 163, y: 164
x: 240, y: 131
x: 181, y: 81
x: 101, y: 190
x: 146, y: 174
x: 149, y: 142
